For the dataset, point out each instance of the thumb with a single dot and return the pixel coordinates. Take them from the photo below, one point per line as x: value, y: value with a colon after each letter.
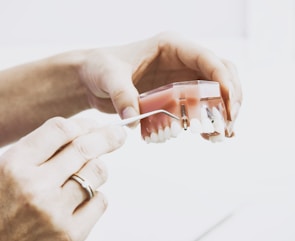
x: 125, y: 100
x: 123, y: 94
x: 119, y: 85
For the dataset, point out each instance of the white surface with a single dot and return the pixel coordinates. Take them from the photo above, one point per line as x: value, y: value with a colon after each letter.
x: 115, y: 21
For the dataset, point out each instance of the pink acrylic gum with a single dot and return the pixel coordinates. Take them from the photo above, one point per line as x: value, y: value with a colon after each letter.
x: 183, y: 99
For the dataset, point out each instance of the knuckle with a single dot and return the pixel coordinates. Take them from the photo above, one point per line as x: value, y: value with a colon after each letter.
x: 82, y: 149
x: 115, y: 137
x: 109, y: 139
x: 56, y: 121
x: 64, y: 126
x: 11, y: 169
x: 99, y: 171
x: 229, y: 64
x: 103, y: 201
x: 24, y: 188
x: 167, y: 36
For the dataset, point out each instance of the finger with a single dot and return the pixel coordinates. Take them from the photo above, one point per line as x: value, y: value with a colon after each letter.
x: 118, y: 84
x: 125, y: 101
x: 38, y: 146
x: 86, y: 216
x: 202, y: 61
x: 214, y: 69
x: 195, y: 57
x: 237, y: 96
x: 94, y: 173
x: 84, y: 148
x: 211, y: 67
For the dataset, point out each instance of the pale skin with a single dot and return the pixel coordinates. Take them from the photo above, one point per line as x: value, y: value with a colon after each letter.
x: 108, y: 79
x: 38, y: 201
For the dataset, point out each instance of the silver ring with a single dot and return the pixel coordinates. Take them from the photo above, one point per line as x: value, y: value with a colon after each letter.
x: 84, y: 184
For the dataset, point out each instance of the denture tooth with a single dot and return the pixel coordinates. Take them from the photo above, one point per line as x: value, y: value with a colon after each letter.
x: 154, y: 137
x: 216, y: 113
x: 204, y: 114
x: 207, y: 126
x: 175, y: 128
x: 161, y: 136
x: 218, y: 121
x: 147, y: 139
x: 167, y: 132
x: 195, y: 125
x: 217, y: 138
x: 219, y: 126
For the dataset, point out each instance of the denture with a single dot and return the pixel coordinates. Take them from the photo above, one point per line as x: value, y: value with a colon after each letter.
x: 197, y: 103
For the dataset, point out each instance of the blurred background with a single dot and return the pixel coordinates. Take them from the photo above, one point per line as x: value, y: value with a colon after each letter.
x: 179, y: 190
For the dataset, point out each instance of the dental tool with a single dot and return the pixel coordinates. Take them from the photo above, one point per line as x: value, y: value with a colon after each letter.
x: 145, y: 115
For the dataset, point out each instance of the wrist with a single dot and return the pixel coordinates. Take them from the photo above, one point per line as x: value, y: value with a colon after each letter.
x: 67, y: 68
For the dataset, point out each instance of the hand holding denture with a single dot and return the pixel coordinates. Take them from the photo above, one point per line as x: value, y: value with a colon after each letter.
x: 120, y: 74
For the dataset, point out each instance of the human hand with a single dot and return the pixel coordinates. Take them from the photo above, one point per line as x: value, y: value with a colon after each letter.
x: 39, y: 200
x: 115, y: 76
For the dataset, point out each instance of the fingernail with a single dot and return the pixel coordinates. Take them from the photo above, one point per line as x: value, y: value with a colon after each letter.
x: 129, y: 112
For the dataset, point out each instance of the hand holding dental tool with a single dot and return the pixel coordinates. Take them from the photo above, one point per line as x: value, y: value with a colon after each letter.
x: 197, y: 104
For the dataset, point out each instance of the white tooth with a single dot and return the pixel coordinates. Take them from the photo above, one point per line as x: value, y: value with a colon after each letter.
x: 167, y: 132
x: 218, y: 126
x: 216, y: 113
x: 175, y: 128
x: 203, y: 112
x: 217, y: 138
x: 161, y: 136
x: 195, y: 125
x: 154, y: 137
x: 207, y: 126
x: 218, y: 121
x: 147, y: 139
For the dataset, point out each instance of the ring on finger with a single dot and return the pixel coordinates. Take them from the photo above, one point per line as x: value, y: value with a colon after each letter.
x: 84, y: 184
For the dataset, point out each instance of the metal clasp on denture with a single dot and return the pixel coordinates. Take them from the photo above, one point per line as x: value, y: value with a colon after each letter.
x: 184, y: 117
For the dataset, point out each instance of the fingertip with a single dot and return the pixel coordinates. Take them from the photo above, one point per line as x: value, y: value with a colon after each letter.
x: 129, y: 112
x: 120, y: 134
x: 126, y: 102
x: 101, y: 201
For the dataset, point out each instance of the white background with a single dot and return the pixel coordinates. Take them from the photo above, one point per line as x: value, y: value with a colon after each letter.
x: 177, y: 190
